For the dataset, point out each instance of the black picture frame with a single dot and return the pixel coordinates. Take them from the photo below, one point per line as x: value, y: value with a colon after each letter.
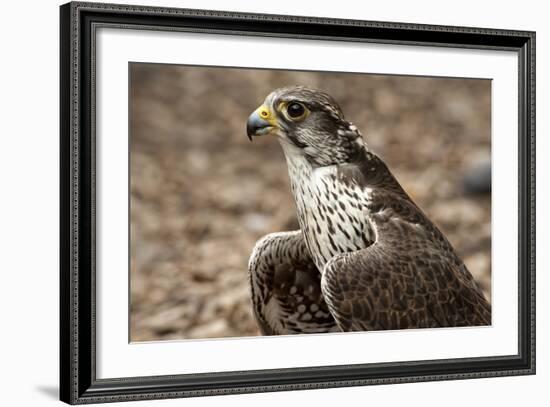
x: 78, y: 382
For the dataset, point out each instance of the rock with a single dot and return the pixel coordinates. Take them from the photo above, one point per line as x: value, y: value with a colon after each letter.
x: 478, y: 179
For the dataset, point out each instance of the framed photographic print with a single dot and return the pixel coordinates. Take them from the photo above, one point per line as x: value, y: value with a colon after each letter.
x: 256, y: 203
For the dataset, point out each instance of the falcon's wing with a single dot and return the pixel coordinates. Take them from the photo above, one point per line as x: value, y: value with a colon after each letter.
x: 286, y: 291
x: 409, y: 278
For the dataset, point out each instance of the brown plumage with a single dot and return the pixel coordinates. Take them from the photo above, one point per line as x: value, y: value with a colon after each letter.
x: 286, y: 287
x: 365, y: 251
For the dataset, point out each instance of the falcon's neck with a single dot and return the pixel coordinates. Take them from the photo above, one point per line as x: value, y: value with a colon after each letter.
x: 331, y: 213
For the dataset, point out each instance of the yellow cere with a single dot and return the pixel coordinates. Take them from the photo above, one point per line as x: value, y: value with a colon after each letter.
x: 265, y: 113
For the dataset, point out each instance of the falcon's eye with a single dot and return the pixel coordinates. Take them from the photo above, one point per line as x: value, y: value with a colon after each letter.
x: 295, y: 110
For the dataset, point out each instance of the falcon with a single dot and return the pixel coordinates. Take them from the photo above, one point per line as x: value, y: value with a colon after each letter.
x: 366, y: 257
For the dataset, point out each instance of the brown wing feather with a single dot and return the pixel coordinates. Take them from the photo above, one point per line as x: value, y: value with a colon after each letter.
x: 409, y: 278
x: 285, y: 284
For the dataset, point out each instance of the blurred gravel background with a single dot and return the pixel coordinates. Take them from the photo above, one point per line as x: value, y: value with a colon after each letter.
x: 202, y: 194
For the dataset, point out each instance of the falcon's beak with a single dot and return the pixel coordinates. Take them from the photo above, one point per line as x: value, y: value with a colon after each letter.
x: 260, y: 122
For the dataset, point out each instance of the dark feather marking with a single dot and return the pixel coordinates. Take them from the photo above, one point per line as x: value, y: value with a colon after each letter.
x: 284, y: 271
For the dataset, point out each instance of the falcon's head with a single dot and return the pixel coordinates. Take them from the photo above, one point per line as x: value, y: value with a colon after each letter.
x: 309, y: 123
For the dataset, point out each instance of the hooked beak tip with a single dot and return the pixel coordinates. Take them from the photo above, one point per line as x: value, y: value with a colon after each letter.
x: 257, y: 126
